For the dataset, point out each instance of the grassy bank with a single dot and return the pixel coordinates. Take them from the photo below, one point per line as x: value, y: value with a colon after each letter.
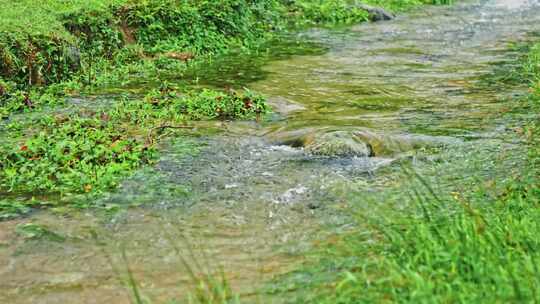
x: 52, y: 41
x: 476, y: 246
x: 73, y: 45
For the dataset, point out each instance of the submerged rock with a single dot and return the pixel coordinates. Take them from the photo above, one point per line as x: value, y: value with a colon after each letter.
x: 359, y: 143
x: 376, y: 13
x: 338, y: 143
x: 392, y: 144
x: 284, y: 106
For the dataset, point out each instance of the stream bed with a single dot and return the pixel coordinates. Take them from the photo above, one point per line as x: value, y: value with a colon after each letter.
x: 256, y: 198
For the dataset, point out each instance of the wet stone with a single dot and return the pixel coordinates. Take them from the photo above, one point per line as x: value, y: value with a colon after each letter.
x: 339, y: 144
x: 284, y: 106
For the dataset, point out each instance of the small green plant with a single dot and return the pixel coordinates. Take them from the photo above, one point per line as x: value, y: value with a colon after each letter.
x: 333, y: 11
x: 71, y: 153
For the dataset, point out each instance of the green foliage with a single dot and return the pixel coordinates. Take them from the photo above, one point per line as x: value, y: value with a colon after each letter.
x: 332, y: 11
x: 13, y: 100
x: 402, y: 5
x: 36, y: 60
x: 50, y: 41
x: 530, y: 69
x: 168, y: 105
x: 468, y: 255
x: 199, y: 27
x: 346, y: 11
x: 75, y: 153
x: 27, y: 17
x: 396, y: 5
x: 231, y: 105
x: 90, y: 152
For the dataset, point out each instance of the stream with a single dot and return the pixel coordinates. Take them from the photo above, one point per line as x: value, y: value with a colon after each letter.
x: 256, y: 198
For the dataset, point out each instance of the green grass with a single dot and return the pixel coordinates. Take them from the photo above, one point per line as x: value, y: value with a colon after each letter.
x: 435, y: 247
x: 47, y: 42
x: 402, y: 5
x: 26, y: 17
x: 48, y: 17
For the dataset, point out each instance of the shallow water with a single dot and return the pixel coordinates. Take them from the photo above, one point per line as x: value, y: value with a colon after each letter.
x: 247, y: 204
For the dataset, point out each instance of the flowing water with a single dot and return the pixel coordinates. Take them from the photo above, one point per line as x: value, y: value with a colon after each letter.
x: 255, y: 198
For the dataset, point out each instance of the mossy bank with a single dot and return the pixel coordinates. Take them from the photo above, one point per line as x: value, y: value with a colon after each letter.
x: 51, y: 41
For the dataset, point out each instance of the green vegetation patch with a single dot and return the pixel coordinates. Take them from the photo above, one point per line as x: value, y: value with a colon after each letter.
x: 50, y: 41
x: 332, y: 11
x: 14, y: 100
x: 12, y: 208
x: 56, y: 40
x: 27, y: 17
x: 90, y: 152
x: 401, y: 5
x: 72, y: 153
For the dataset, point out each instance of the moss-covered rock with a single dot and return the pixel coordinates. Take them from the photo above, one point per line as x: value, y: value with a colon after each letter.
x: 339, y: 144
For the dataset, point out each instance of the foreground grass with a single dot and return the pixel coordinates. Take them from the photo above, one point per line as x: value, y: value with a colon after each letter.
x: 476, y: 247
